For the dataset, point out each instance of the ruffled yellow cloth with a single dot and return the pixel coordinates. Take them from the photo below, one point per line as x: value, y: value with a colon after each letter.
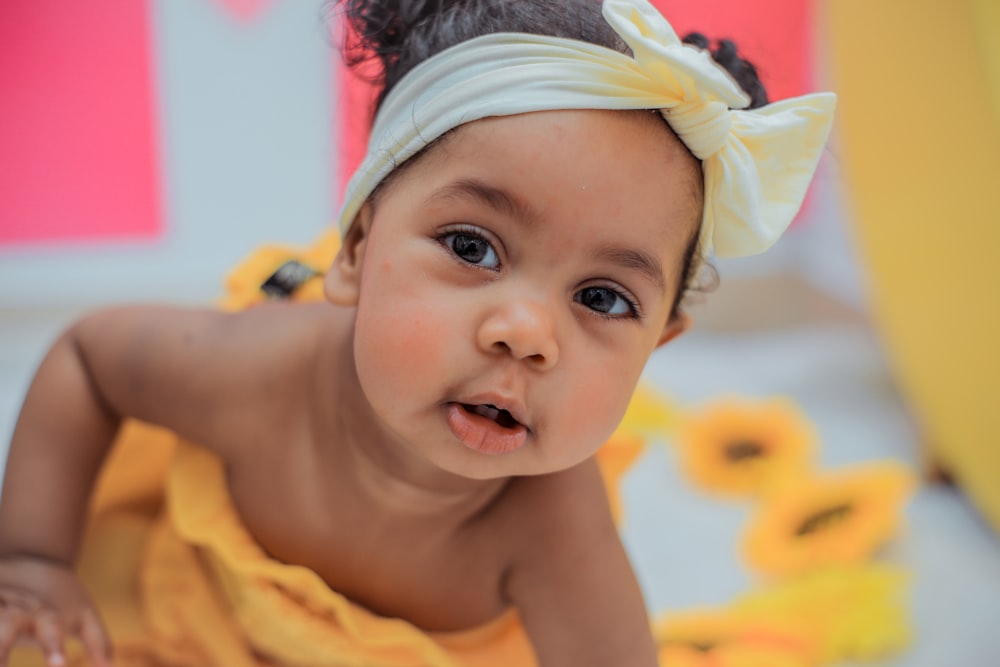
x: 180, y: 582
x: 186, y: 585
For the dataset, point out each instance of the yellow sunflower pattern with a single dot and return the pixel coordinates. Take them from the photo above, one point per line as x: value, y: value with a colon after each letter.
x: 838, y: 518
x: 742, y: 448
x: 813, y: 537
x: 852, y: 613
x: 648, y: 415
x: 727, y: 638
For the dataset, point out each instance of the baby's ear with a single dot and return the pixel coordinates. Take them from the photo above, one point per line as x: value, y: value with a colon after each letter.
x: 342, y: 283
x: 677, y: 325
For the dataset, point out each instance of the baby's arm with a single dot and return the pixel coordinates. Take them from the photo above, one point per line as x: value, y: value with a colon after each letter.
x: 572, y: 583
x: 188, y: 370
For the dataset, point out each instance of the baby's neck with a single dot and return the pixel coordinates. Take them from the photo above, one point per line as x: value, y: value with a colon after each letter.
x: 384, y: 471
x: 393, y: 480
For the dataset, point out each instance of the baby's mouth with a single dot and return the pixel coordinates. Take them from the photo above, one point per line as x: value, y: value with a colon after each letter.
x: 492, y: 412
x: 486, y: 428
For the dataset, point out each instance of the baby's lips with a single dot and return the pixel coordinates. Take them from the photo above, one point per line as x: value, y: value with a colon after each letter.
x: 510, y: 404
x: 483, y: 434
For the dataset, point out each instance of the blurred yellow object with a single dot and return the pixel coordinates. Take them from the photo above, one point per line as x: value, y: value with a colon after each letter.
x: 854, y: 613
x: 304, y: 268
x: 745, y: 447
x: 182, y: 583
x: 722, y: 638
x: 919, y: 113
x: 837, y: 518
x: 615, y: 458
x: 649, y: 414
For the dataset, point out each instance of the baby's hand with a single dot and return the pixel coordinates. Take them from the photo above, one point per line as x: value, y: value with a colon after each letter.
x: 44, y: 603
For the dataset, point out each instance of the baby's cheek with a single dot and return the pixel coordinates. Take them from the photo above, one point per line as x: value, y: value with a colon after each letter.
x: 398, y: 329
x: 401, y: 342
x: 598, y: 404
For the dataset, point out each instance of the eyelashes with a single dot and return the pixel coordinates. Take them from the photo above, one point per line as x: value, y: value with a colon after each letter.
x: 471, y: 246
x: 607, y: 301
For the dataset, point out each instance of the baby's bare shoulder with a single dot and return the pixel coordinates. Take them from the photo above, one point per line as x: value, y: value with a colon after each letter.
x: 553, y: 511
x: 210, y: 376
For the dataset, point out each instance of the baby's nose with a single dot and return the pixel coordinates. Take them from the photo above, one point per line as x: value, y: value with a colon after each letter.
x: 523, y: 328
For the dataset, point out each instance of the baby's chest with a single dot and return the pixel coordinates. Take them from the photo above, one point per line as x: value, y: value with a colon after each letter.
x: 391, y: 566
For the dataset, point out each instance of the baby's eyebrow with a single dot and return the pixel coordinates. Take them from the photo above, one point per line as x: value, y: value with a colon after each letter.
x: 496, y: 198
x: 634, y: 258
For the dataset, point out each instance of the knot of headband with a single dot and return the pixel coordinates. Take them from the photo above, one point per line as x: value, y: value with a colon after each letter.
x: 757, y: 164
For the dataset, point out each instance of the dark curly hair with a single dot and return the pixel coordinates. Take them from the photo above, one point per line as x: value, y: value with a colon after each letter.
x: 743, y: 71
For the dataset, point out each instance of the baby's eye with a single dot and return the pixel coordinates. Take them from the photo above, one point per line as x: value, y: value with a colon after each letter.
x: 606, y: 301
x: 472, y: 248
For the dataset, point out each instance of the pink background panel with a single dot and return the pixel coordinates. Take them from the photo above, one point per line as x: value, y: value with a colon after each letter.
x: 77, y: 127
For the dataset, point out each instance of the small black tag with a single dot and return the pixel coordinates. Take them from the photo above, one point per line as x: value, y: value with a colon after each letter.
x: 288, y: 278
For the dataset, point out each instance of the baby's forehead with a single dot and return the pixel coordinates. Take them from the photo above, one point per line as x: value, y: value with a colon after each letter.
x: 626, y: 168
x: 636, y: 150
x: 561, y: 131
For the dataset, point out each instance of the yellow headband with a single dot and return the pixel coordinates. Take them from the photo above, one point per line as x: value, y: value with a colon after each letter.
x: 757, y: 164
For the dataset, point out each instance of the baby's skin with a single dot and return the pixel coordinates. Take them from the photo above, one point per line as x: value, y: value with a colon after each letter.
x: 424, y: 441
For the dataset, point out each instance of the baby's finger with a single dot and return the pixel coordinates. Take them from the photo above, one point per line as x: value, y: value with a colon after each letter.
x: 95, y: 639
x: 16, y: 599
x: 13, y: 623
x: 49, y: 635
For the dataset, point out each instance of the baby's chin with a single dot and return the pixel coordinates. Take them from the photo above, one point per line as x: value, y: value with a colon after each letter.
x: 482, y: 468
x: 522, y: 463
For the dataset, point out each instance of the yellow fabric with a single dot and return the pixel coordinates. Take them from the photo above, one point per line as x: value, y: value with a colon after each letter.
x: 920, y: 139
x: 185, y: 585
x: 288, y: 612
x: 180, y: 582
x: 757, y: 164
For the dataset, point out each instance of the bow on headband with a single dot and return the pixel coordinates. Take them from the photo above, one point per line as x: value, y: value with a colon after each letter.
x: 757, y: 164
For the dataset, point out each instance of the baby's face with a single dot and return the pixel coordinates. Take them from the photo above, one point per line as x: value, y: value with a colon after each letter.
x: 514, y: 282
